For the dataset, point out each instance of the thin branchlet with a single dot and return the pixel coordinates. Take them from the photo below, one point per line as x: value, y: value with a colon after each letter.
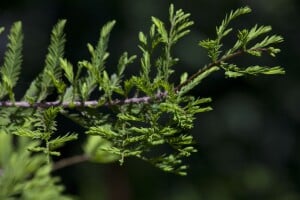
x: 70, y: 161
x: 216, y: 63
x: 79, y: 104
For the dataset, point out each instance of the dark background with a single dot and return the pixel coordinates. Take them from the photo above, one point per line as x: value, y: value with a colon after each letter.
x: 248, y: 146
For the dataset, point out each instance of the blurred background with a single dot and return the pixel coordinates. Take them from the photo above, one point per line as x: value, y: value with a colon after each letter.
x: 248, y: 146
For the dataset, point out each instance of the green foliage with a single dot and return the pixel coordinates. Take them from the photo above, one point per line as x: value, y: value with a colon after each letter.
x: 96, y: 75
x: 150, y: 120
x: 25, y: 175
x: 214, y: 46
x: 245, y: 38
x: 1, y: 29
x: 49, y: 79
x: 95, y: 148
x: 232, y: 71
x: 43, y: 127
x: 12, y: 61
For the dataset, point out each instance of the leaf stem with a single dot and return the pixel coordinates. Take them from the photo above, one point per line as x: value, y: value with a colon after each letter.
x: 70, y: 161
x: 90, y: 103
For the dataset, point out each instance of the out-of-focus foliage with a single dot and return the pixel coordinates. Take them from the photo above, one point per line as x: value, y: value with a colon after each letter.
x: 25, y: 175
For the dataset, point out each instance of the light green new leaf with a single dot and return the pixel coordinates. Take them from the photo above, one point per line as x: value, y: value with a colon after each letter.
x: 160, y: 27
x: 28, y: 133
x: 128, y: 117
x: 268, y: 40
x: 61, y: 140
x: 124, y: 61
x: 257, y: 31
x: 180, y: 23
x: 142, y: 38
x: 253, y: 70
x: 68, y: 69
x: 94, y: 148
x: 104, y: 131
x: 222, y: 29
x: 196, y: 81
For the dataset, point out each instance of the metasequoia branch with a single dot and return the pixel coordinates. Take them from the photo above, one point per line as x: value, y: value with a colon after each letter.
x: 216, y: 63
x: 133, y: 100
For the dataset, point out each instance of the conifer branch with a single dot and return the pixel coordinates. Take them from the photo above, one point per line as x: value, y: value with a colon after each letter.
x: 137, y: 124
x: 133, y: 100
x: 216, y: 63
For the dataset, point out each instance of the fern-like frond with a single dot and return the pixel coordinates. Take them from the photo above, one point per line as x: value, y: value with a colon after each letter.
x: 196, y: 81
x: 61, y: 140
x: 46, y: 120
x: 12, y: 60
x: 234, y: 71
x: 179, y: 27
x: 94, y: 67
x: 100, y: 54
x: 41, y: 87
x: 223, y: 29
x: 213, y: 46
x: 180, y: 24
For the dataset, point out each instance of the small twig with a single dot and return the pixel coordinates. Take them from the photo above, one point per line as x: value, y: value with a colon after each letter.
x: 205, y: 68
x: 70, y: 161
x: 216, y: 63
x: 90, y: 103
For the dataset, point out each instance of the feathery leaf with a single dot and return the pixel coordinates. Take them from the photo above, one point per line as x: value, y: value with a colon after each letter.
x: 12, y: 60
x: 43, y: 84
